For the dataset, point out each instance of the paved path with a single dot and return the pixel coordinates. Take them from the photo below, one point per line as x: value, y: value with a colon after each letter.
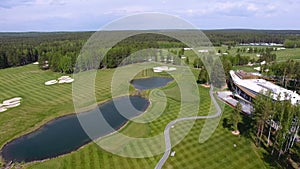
x: 167, y: 129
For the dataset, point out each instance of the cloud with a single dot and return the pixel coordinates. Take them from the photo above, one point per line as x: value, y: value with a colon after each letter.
x: 239, y: 8
x: 49, y: 15
x: 10, y: 4
x: 127, y: 10
x: 58, y: 2
x: 224, y: 8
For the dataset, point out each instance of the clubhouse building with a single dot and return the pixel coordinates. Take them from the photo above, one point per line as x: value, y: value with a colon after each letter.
x: 248, y: 85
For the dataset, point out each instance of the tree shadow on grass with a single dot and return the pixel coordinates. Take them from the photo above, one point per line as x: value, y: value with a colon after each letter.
x: 273, y: 161
x: 226, y: 124
x: 246, y: 126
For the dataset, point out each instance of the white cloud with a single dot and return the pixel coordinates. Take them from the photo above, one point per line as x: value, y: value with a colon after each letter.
x: 252, y: 7
x: 87, y: 14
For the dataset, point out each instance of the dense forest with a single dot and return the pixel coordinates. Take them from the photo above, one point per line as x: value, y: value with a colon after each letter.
x: 236, y: 36
x: 59, y: 50
x: 18, y: 49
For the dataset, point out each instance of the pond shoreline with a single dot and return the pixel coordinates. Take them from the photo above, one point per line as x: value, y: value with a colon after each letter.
x: 70, y: 115
x: 122, y: 126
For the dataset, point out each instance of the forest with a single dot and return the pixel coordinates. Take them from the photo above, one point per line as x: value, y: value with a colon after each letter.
x: 59, y: 50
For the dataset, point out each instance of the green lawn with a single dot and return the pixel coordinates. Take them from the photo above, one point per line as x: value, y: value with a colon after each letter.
x: 41, y: 103
x: 282, y: 55
x: 245, y: 68
x: 217, y: 152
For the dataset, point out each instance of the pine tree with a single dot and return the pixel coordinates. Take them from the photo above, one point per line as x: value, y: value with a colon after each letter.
x: 236, y: 117
x: 217, y: 75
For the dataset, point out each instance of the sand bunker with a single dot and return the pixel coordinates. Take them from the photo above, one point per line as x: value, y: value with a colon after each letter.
x: 2, y: 109
x: 60, y: 80
x: 10, y: 103
x: 163, y: 68
x: 50, y: 82
x: 65, y: 79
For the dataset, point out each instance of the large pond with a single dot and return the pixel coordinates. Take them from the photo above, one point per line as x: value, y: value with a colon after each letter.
x: 65, y: 134
x: 150, y: 83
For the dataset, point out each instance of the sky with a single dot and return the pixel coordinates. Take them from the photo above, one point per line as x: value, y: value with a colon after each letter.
x: 82, y: 15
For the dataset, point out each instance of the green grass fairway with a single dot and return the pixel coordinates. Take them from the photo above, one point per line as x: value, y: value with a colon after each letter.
x: 282, y: 55
x: 42, y: 103
x: 217, y: 152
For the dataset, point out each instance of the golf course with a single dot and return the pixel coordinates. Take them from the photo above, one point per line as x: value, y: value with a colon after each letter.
x: 42, y: 103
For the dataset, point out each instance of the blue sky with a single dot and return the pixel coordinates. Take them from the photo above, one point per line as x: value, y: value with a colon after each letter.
x: 80, y: 15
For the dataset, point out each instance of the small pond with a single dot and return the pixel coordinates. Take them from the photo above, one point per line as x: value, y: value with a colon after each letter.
x: 150, y: 83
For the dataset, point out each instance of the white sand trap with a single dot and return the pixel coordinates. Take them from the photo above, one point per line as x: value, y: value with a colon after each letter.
x: 69, y: 80
x: 10, y: 103
x: 5, y: 103
x: 163, y: 68
x: 257, y: 68
x: 157, y: 71
x: 2, y: 109
x: 50, y: 82
x: 66, y: 81
x: 16, y: 99
x: 64, y: 77
x: 60, y: 80
x: 13, y: 105
x: 171, y: 69
x: 35, y: 63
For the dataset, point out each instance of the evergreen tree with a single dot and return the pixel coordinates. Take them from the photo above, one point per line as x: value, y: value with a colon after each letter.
x: 217, y: 75
x: 203, y: 76
x: 236, y: 117
x: 187, y: 61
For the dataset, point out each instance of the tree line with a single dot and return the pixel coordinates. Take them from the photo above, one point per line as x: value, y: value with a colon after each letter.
x: 276, y: 124
x: 234, y: 37
x: 17, y: 49
x: 287, y: 74
x: 60, y: 49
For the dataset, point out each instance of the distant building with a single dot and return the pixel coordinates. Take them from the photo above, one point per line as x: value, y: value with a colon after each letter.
x: 203, y: 51
x: 260, y: 44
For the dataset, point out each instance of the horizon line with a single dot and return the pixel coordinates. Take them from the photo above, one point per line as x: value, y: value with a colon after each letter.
x: 92, y: 30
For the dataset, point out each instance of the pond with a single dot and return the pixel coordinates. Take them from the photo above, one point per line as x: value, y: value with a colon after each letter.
x: 150, y: 83
x: 65, y: 134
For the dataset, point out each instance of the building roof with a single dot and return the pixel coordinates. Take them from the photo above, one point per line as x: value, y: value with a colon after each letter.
x: 261, y: 85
